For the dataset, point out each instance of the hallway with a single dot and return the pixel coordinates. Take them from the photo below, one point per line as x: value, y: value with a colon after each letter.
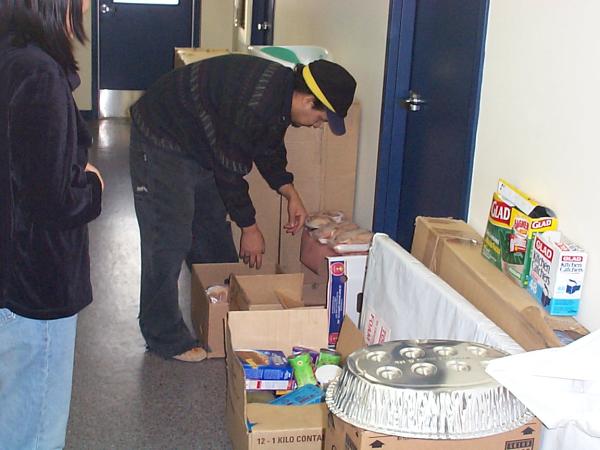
x: 123, y: 397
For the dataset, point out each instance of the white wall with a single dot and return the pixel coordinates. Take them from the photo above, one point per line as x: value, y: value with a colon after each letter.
x: 355, y: 32
x: 241, y: 35
x: 216, y: 21
x: 539, y: 121
x: 83, y: 55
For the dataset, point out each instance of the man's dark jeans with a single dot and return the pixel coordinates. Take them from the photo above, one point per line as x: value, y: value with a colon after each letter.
x: 174, y: 198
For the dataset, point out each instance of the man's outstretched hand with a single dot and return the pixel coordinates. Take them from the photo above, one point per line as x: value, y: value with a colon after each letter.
x: 296, y: 211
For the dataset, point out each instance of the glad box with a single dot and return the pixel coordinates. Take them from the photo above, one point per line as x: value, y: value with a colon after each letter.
x: 557, y: 272
x: 514, y: 219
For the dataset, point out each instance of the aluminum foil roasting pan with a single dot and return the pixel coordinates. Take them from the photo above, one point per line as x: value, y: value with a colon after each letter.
x: 430, y: 389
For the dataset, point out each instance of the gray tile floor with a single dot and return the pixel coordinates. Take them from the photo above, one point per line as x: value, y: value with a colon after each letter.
x: 124, y: 397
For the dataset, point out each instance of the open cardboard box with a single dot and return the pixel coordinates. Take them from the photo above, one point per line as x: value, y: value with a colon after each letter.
x: 452, y: 249
x: 259, y: 292
x: 262, y: 426
x: 208, y: 319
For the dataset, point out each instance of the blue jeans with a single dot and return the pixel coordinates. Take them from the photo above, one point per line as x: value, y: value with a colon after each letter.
x: 180, y: 214
x: 36, y: 373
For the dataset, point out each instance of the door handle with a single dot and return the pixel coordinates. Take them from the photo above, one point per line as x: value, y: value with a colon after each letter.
x: 264, y: 26
x: 414, y: 102
x: 105, y: 9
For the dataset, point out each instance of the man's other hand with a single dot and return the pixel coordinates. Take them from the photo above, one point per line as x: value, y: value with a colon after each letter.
x: 252, y: 246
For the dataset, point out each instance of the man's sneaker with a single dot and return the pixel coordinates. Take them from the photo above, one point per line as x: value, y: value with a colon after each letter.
x: 195, y: 354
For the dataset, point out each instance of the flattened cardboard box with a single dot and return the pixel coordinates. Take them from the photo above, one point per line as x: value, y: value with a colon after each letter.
x: 341, y: 435
x: 452, y: 250
x: 254, y: 426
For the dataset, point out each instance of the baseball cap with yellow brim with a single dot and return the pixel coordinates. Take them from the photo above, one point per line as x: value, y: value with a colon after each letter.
x: 334, y: 87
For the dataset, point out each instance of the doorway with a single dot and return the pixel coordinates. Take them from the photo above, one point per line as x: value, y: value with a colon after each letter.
x: 132, y: 46
x: 429, y: 119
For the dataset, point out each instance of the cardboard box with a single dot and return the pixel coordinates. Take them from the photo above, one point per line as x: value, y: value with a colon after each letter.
x: 452, y: 250
x: 313, y: 253
x: 345, y: 282
x: 513, y: 221
x: 263, y: 426
x: 188, y: 55
x: 260, y: 292
x: 557, y: 273
x: 342, y: 435
x: 208, y: 318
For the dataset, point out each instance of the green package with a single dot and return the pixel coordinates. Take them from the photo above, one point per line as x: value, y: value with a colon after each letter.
x: 327, y: 356
x: 303, y: 370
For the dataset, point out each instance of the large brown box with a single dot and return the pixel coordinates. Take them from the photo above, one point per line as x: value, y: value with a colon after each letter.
x: 263, y: 426
x: 342, y: 435
x: 452, y: 250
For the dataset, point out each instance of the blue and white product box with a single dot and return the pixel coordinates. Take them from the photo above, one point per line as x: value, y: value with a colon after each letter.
x: 309, y: 394
x: 265, y: 365
x: 346, y: 277
x: 557, y: 272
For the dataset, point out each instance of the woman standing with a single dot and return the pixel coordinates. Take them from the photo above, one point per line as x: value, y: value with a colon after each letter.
x: 49, y: 192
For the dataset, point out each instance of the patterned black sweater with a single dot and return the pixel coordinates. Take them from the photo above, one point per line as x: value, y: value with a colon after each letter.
x: 227, y: 112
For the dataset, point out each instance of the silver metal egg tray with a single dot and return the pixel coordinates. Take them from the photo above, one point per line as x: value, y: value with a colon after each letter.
x: 429, y: 389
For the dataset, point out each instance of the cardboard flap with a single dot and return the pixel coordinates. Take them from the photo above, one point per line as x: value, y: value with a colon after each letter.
x: 278, y: 329
x: 350, y: 339
x: 264, y: 417
x: 288, y: 298
x: 260, y: 291
x: 236, y: 383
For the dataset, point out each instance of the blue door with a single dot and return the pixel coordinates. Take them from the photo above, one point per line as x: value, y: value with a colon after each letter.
x: 135, y: 42
x: 263, y: 14
x: 431, y: 101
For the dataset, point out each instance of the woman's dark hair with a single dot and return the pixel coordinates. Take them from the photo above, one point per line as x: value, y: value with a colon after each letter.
x: 301, y: 86
x: 44, y: 23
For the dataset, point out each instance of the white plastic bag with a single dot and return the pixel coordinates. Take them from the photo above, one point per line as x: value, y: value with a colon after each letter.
x: 561, y: 386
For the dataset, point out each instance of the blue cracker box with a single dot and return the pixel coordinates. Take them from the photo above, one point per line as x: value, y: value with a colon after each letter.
x: 264, y: 364
x: 306, y: 395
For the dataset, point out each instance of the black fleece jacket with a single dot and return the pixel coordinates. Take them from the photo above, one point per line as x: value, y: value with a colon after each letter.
x: 46, y: 197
